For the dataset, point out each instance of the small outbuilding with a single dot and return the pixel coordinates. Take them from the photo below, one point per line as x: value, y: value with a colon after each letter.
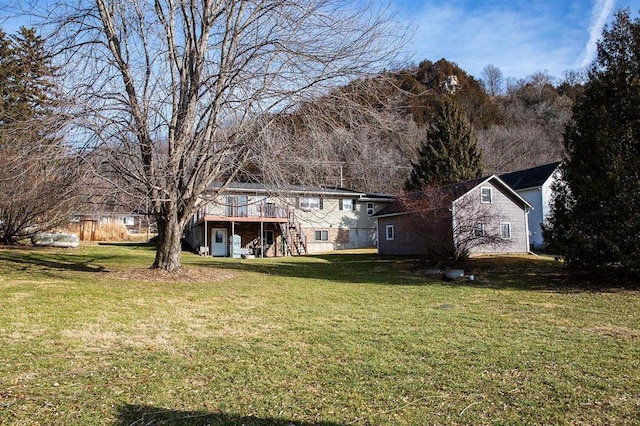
x: 481, y: 216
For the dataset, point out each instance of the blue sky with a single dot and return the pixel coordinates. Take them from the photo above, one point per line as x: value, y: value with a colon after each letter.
x: 520, y: 37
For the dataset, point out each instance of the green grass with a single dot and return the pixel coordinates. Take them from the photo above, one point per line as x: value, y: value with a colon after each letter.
x: 345, y: 339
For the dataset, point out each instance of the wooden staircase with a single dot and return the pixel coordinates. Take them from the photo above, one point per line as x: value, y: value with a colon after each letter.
x: 294, y: 241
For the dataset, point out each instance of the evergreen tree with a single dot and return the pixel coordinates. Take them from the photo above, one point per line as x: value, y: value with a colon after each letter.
x: 449, y: 153
x: 37, y: 177
x: 595, y: 212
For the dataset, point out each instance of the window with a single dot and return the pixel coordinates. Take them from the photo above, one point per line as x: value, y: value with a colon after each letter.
x: 390, y: 232
x: 322, y: 235
x: 310, y: 203
x: 219, y: 237
x: 128, y: 221
x: 370, y: 209
x: 478, y: 230
x: 485, y: 195
x: 346, y: 204
x: 505, y: 231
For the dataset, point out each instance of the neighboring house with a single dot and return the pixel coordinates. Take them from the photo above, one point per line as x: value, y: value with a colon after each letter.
x: 534, y: 185
x: 480, y: 216
x: 281, y: 222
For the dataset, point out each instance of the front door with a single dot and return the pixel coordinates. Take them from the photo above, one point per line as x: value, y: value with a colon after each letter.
x: 218, y: 242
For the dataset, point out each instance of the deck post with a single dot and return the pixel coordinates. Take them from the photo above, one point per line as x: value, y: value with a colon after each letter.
x: 205, y: 235
x: 261, y: 238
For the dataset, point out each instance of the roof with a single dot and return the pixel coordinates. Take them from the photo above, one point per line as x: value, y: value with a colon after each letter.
x: 260, y: 188
x: 529, y: 178
x: 447, y: 194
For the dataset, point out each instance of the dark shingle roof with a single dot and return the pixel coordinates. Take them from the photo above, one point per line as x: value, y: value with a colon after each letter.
x: 529, y: 178
x: 445, y: 194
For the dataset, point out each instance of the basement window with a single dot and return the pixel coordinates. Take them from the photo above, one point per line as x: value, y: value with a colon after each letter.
x: 322, y: 235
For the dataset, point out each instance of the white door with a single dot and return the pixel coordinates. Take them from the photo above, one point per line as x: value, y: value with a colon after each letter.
x: 218, y: 242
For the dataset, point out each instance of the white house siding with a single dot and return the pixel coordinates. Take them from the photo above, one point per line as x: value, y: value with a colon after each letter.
x: 346, y: 229
x: 534, y: 196
x: 547, y: 198
x: 540, y: 198
x: 506, y: 211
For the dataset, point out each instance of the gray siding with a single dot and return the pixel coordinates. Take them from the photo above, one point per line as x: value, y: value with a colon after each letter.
x: 411, y: 235
x: 502, y: 209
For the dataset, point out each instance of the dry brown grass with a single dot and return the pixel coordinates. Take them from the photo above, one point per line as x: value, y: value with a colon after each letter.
x: 109, y: 231
x: 185, y: 275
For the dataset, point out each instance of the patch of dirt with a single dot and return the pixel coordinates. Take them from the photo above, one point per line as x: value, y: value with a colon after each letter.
x: 616, y: 332
x: 185, y: 275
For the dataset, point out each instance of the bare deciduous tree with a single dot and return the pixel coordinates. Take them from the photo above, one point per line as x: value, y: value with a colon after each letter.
x: 177, y: 92
x: 358, y: 137
x: 509, y: 148
x: 39, y: 180
x: 492, y: 79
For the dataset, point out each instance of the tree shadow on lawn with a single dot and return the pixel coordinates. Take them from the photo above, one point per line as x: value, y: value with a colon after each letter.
x: 347, y: 268
x: 145, y: 415
x: 23, y: 260
x: 508, y: 272
x: 545, y: 274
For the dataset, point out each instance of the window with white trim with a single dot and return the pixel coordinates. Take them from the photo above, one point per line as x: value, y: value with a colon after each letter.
x: 311, y: 203
x: 322, y: 235
x: 128, y: 220
x: 370, y: 209
x: 486, y: 195
x: 346, y: 204
x: 390, y: 232
x: 505, y: 231
x: 478, y: 230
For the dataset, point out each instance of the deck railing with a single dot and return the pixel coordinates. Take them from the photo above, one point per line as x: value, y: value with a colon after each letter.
x: 257, y: 210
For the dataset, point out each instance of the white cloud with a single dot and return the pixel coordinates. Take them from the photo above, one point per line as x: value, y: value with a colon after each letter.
x: 599, y: 17
x: 543, y: 36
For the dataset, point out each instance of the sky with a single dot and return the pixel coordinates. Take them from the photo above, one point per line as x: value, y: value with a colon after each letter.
x: 521, y: 37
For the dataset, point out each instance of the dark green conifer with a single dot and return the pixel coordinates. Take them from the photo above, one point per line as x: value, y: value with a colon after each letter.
x: 449, y: 152
x: 596, y: 210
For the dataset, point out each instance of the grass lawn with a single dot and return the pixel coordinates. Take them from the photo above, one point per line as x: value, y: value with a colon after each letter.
x: 87, y: 337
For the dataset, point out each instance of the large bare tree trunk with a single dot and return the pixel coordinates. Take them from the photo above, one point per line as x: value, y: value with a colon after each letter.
x: 169, y: 241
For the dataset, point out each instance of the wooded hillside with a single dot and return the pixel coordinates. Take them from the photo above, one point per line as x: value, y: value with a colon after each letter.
x: 331, y: 141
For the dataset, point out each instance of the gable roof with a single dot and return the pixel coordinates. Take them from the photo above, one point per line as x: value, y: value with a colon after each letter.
x: 447, y: 194
x: 529, y: 178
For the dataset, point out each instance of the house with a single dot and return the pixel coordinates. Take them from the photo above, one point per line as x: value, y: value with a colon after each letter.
x: 479, y: 216
x: 534, y: 185
x: 270, y: 221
